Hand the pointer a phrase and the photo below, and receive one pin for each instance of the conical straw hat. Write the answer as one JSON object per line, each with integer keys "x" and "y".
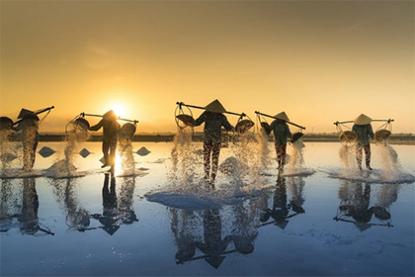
{"x": 110, "y": 115}
{"x": 362, "y": 120}
{"x": 24, "y": 112}
{"x": 282, "y": 116}
{"x": 215, "y": 107}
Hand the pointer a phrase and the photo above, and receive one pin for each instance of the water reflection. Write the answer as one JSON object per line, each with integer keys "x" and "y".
{"x": 355, "y": 204}
{"x": 194, "y": 230}
{"x": 20, "y": 210}
{"x": 116, "y": 211}
{"x": 245, "y": 226}
{"x": 77, "y": 217}
{"x": 212, "y": 234}
{"x": 213, "y": 244}
{"x": 204, "y": 232}
{"x": 282, "y": 209}
{"x": 110, "y": 214}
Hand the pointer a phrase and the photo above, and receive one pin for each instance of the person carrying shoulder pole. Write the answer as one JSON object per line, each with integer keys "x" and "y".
{"x": 214, "y": 120}
{"x": 364, "y": 132}
{"x": 28, "y": 127}
{"x": 281, "y": 133}
{"x": 110, "y": 136}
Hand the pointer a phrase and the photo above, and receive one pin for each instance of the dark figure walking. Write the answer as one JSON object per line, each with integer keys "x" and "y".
{"x": 29, "y": 134}
{"x": 214, "y": 121}
{"x": 364, "y": 132}
{"x": 109, "y": 145}
{"x": 281, "y": 133}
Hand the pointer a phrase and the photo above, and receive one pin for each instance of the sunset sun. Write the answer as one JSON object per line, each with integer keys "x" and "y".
{"x": 119, "y": 109}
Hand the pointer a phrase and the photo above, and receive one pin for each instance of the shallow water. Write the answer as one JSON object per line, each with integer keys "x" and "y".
{"x": 279, "y": 226}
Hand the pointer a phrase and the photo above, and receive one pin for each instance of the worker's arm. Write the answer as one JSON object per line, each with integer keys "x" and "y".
{"x": 271, "y": 127}
{"x": 200, "y": 119}
{"x": 371, "y": 135}
{"x": 97, "y": 126}
{"x": 226, "y": 124}
{"x": 354, "y": 128}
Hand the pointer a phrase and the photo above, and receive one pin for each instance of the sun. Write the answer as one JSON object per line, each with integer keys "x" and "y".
{"x": 119, "y": 109}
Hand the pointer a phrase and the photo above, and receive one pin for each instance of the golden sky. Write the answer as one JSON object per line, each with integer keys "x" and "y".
{"x": 319, "y": 61}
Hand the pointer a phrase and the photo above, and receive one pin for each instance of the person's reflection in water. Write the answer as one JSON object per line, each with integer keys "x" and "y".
{"x": 7, "y": 205}
{"x": 296, "y": 187}
{"x": 213, "y": 245}
{"x": 245, "y": 227}
{"x": 182, "y": 224}
{"x": 280, "y": 208}
{"x": 355, "y": 198}
{"x": 77, "y": 217}
{"x": 110, "y": 215}
{"x": 387, "y": 195}
{"x": 354, "y": 206}
{"x": 29, "y": 221}
{"x": 126, "y": 201}
{"x": 360, "y": 210}
{"x": 280, "y": 211}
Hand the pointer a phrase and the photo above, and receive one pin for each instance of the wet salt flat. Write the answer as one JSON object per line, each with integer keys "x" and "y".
{"x": 156, "y": 223}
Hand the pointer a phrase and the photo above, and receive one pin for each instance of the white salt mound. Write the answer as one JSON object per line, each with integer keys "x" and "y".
{"x": 84, "y": 153}
{"x": 46, "y": 152}
{"x": 143, "y": 151}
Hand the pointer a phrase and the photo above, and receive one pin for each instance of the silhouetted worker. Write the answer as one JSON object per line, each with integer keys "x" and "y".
{"x": 281, "y": 133}
{"x": 214, "y": 121}
{"x": 364, "y": 133}
{"x": 109, "y": 145}
{"x": 29, "y": 135}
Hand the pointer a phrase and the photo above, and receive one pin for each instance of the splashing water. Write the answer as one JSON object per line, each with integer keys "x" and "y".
{"x": 240, "y": 178}
{"x": 263, "y": 149}
{"x": 390, "y": 166}
{"x": 250, "y": 157}
{"x": 387, "y": 195}
{"x": 390, "y": 171}
{"x": 347, "y": 154}
{"x": 296, "y": 160}
{"x": 185, "y": 158}
{"x": 7, "y": 152}
{"x": 75, "y": 136}
{"x": 10, "y": 200}
{"x": 126, "y": 154}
